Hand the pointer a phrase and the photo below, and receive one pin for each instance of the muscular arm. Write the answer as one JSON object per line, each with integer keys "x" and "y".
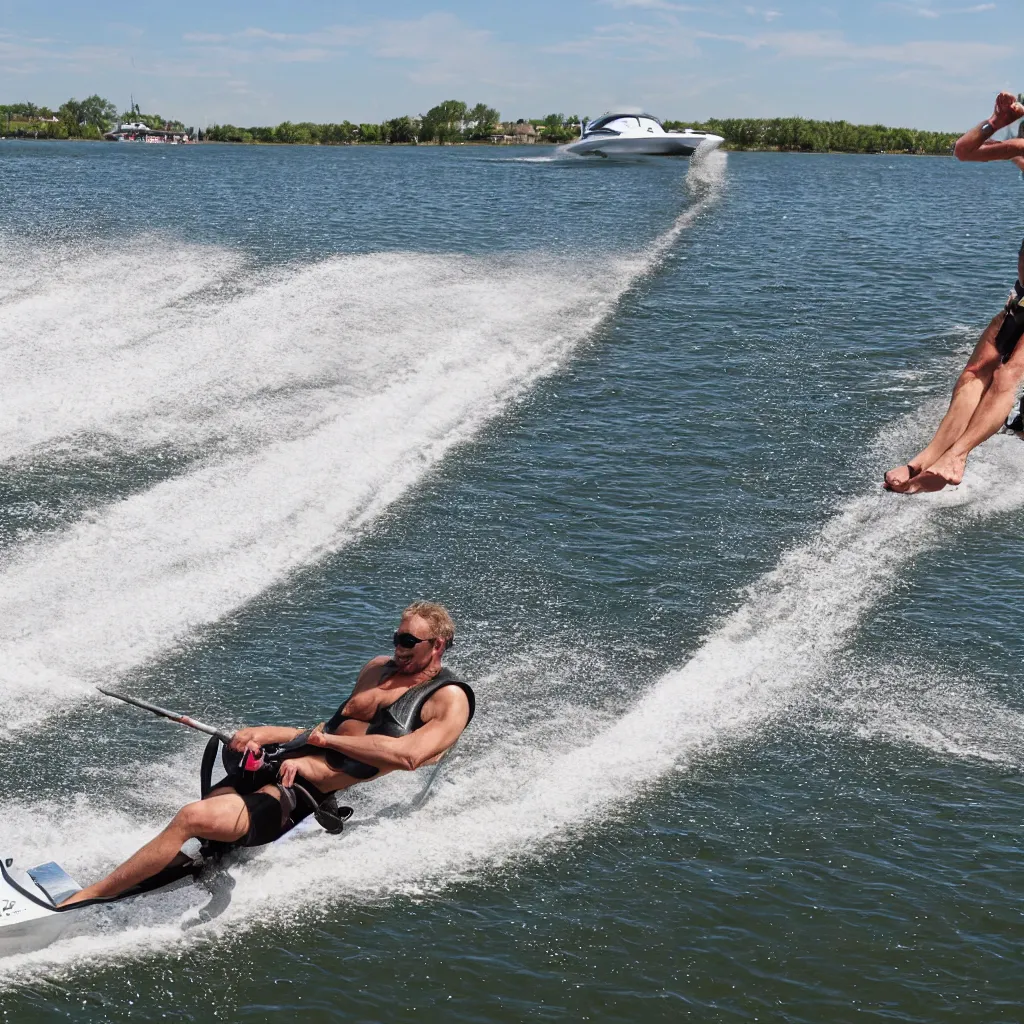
{"x": 261, "y": 735}
{"x": 977, "y": 144}
{"x": 1011, "y": 149}
{"x": 444, "y": 717}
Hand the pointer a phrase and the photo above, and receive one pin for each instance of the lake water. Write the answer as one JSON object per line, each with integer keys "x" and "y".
{"x": 749, "y": 730}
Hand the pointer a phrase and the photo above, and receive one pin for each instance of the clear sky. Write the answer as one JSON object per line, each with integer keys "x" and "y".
{"x": 921, "y": 63}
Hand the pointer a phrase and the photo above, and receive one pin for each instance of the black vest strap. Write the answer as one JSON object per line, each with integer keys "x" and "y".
{"x": 404, "y": 715}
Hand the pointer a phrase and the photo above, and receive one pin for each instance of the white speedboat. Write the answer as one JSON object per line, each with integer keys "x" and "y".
{"x": 638, "y": 135}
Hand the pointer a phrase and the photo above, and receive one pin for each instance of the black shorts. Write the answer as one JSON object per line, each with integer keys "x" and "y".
{"x": 269, "y": 817}
{"x": 1012, "y": 327}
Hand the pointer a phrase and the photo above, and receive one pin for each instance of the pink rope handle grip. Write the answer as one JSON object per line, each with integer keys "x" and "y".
{"x": 252, "y": 763}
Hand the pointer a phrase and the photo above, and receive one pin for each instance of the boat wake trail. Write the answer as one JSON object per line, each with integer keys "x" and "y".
{"x": 922, "y": 707}
{"x": 511, "y": 796}
{"x": 311, "y": 397}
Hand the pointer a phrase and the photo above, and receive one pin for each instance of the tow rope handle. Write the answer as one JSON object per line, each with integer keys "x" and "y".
{"x": 252, "y": 763}
{"x": 278, "y": 752}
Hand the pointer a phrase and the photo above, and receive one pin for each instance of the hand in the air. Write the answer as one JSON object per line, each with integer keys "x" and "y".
{"x": 316, "y": 737}
{"x": 1007, "y": 110}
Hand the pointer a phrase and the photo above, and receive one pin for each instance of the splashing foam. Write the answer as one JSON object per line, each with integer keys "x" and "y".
{"x": 142, "y": 345}
{"x": 383, "y": 363}
{"x": 910, "y": 701}
{"x": 89, "y": 337}
{"x": 511, "y": 797}
{"x": 924, "y": 708}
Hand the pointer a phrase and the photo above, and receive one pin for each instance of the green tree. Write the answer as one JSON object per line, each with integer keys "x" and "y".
{"x": 338, "y": 134}
{"x": 553, "y": 128}
{"x": 87, "y": 118}
{"x": 227, "y": 133}
{"x": 483, "y": 121}
{"x": 98, "y": 112}
{"x": 401, "y": 129}
{"x": 70, "y": 114}
{"x": 444, "y": 122}
{"x": 794, "y": 133}
{"x": 303, "y": 133}
{"x": 285, "y": 132}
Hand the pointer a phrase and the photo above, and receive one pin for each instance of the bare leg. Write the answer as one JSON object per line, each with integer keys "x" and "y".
{"x": 988, "y": 418}
{"x": 222, "y": 817}
{"x": 968, "y": 391}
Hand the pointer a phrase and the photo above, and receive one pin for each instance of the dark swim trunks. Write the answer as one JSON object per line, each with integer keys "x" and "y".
{"x": 269, "y": 818}
{"x": 1012, "y": 327}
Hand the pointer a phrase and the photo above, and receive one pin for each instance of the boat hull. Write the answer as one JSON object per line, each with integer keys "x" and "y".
{"x": 670, "y": 144}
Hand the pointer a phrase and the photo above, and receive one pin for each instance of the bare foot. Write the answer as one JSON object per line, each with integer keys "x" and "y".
{"x": 898, "y": 478}
{"x": 78, "y": 897}
{"x": 948, "y": 470}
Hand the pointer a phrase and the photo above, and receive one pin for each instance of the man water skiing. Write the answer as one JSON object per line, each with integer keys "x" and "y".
{"x": 405, "y": 711}
{"x": 986, "y": 389}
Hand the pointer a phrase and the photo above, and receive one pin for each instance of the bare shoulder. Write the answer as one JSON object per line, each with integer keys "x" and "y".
{"x": 369, "y": 674}
{"x": 449, "y": 703}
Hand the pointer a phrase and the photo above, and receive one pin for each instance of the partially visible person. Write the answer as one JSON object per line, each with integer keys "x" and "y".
{"x": 986, "y": 390}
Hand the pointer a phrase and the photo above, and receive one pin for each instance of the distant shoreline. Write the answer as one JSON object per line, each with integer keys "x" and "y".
{"x": 725, "y": 147}
{"x": 454, "y": 122}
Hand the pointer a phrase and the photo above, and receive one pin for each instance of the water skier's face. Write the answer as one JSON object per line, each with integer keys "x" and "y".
{"x": 414, "y": 644}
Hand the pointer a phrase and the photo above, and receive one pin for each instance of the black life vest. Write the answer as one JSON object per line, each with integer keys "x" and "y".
{"x": 399, "y": 718}
{"x": 403, "y": 716}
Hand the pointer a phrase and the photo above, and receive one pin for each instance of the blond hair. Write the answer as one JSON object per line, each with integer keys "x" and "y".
{"x": 441, "y": 623}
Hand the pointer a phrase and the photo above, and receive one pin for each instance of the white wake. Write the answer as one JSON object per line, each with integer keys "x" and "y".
{"x": 510, "y": 798}
{"x": 325, "y": 392}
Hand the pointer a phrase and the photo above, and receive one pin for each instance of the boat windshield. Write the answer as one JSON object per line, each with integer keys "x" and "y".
{"x": 624, "y": 122}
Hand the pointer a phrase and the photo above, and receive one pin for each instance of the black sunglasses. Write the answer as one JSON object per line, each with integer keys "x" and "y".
{"x": 407, "y": 640}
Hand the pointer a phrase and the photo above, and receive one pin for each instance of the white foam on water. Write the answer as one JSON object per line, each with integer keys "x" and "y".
{"x": 550, "y": 159}
{"x": 908, "y": 703}
{"x": 516, "y": 796}
{"x": 153, "y": 342}
{"x": 946, "y": 717}
{"x": 415, "y": 354}
{"x": 65, "y": 306}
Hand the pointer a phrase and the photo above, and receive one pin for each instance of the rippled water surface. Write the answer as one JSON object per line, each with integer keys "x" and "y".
{"x": 749, "y": 729}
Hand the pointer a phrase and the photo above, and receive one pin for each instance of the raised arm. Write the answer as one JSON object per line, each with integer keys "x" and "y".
{"x": 977, "y": 144}
{"x": 444, "y": 716}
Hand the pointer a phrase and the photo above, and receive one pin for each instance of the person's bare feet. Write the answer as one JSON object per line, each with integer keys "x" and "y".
{"x": 898, "y": 478}
{"x": 949, "y": 470}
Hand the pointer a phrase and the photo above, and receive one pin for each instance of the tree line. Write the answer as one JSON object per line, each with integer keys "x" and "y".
{"x": 74, "y": 119}
{"x": 798, "y": 134}
{"x": 455, "y": 121}
{"x": 449, "y": 122}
